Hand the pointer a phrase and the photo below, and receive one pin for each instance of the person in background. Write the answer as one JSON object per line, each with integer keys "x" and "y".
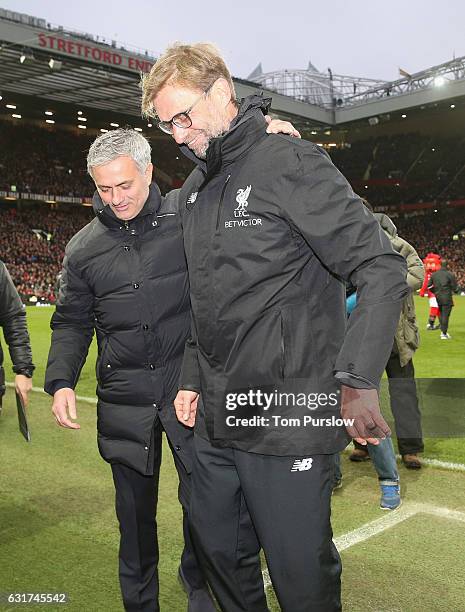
{"x": 399, "y": 368}
{"x": 443, "y": 284}
{"x": 14, "y": 325}
{"x": 382, "y": 455}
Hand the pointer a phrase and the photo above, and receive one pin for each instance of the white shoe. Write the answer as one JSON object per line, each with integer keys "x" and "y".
{"x": 445, "y": 336}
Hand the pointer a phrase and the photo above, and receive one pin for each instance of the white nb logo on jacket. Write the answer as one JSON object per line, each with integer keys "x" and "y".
{"x": 302, "y": 465}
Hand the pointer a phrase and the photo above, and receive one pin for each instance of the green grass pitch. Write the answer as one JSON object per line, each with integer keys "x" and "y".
{"x": 58, "y": 531}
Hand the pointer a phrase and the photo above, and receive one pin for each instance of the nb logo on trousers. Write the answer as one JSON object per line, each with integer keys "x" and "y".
{"x": 301, "y": 465}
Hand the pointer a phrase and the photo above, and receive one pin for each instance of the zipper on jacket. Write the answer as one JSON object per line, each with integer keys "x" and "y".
{"x": 126, "y": 225}
{"x": 282, "y": 355}
{"x": 221, "y": 201}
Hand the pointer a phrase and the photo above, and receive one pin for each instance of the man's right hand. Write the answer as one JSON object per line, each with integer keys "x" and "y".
{"x": 64, "y": 408}
{"x": 185, "y": 406}
{"x": 362, "y": 406}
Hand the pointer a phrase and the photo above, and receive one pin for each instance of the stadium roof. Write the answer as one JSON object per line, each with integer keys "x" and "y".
{"x": 36, "y": 60}
{"x": 45, "y": 62}
{"x": 313, "y": 86}
{"x": 48, "y": 62}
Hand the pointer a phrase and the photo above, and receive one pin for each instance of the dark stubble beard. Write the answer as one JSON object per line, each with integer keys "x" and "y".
{"x": 214, "y": 133}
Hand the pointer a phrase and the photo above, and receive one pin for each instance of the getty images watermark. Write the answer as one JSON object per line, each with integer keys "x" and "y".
{"x": 256, "y": 398}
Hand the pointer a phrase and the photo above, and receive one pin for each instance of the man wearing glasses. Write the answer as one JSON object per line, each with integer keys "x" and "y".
{"x": 271, "y": 232}
{"x": 124, "y": 276}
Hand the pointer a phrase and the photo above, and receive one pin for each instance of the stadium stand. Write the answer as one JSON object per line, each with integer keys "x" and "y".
{"x": 53, "y": 161}
{"x": 32, "y": 244}
{"x": 401, "y": 169}
{"x": 405, "y": 168}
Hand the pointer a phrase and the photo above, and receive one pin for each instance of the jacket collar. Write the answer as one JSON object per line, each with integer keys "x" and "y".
{"x": 108, "y": 217}
{"x": 244, "y": 132}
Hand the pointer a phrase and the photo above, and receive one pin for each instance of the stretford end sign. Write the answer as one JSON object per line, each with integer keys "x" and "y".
{"x": 88, "y": 51}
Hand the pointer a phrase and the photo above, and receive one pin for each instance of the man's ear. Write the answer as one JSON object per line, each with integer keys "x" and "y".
{"x": 222, "y": 91}
{"x": 148, "y": 173}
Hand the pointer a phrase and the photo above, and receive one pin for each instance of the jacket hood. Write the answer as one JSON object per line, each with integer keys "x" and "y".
{"x": 245, "y": 130}
{"x": 108, "y": 217}
{"x": 387, "y": 224}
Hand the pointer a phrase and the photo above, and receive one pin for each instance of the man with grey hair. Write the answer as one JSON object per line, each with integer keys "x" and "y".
{"x": 124, "y": 276}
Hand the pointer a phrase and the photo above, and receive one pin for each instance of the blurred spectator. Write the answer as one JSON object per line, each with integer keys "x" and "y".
{"x": 32, "y": 259}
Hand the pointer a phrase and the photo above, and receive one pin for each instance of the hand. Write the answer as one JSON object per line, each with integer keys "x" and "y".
{"x": 362, "y": 405}
{"x": 23, "y": 385}
{"x": 64, "y": 408}
{"x": 185, "y": 406}
{"x": 276, "y": 126}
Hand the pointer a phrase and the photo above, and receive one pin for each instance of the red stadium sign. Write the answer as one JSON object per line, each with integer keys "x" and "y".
{"x": 92, "y": 52}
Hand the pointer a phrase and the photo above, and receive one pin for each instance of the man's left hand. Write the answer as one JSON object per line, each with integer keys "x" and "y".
{"x": 362, "y": 405}
{"x": 277, "y": 126}
{"x": 23, "y": 385}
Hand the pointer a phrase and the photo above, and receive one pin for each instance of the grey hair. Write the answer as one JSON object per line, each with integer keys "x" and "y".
{"x": 117, "y": 143}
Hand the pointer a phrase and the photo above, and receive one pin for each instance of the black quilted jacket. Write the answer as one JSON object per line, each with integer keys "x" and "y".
{"x": 128, "y": 282}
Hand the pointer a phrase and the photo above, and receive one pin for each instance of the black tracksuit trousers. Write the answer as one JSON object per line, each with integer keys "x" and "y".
{"x": 242, "y": 502}
{"x": 445, "y": 308}
{"x": 136, "y": 506}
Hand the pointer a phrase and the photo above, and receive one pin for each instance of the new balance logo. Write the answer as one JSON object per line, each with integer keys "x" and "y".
{"x": 301, "y": 465}
{"x": 192, "y": 198}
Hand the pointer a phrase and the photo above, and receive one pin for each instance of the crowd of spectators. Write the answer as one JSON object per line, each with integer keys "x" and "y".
{"x": 45, "y": 161}
{"x": 440, "y": 233}
{"x": 52, "y": 161}
{"x": 405, "y": 168}
{"x": 402, "y": 168}
{"x": 32, "y": 244}
{"x": 386, "y": 170}
{"x": 33, "y": 239}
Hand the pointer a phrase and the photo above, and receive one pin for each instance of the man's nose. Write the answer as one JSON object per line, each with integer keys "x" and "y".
{"x": 118, "y": 196}
{"x": 179, "y": 134}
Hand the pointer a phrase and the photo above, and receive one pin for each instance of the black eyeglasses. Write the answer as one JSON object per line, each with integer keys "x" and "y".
{"x": 182, "y": 120}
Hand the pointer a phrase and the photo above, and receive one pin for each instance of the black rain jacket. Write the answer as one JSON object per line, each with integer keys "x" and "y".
{"x": 128, "y": 281}
{"x": 13, "y": 323}
{"x": 443, "y": 284}
{"x": 272, "y": 232}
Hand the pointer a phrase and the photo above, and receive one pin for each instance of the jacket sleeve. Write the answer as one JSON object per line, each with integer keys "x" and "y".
{"x": 349, "y": 241}
{"x": 190, "y": 377}
{"x": 13, "y": 322}
{"x": 72, "y": 329}
{"x": 415, "y": 267}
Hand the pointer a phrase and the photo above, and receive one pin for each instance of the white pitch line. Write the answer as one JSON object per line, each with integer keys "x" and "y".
{"x": 405, "y": 512}
{"x": 80, "y": 398}
{"x": 373, "y": 528}
{"x": 445, "y": 465}
{"x": 447, "y": 513}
